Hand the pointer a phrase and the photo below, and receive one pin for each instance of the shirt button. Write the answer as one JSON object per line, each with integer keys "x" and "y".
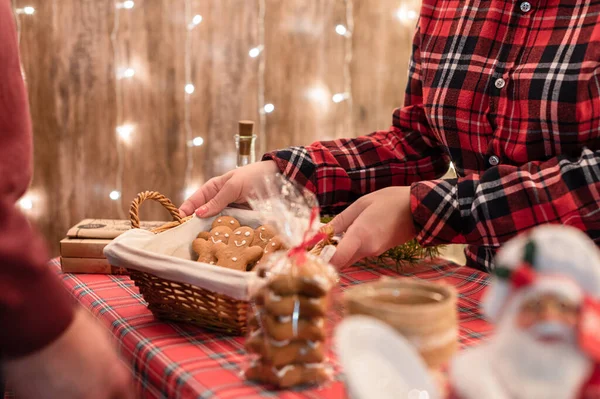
{"x": 500, "y": 83}
{"x": 494, "y": 160}
{"x": 525, "y": 6}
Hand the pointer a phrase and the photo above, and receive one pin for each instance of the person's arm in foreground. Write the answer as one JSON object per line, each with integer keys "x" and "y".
{"x": 48, "y": 348}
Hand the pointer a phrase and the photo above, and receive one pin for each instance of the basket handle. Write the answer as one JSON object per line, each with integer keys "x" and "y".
{"x": 156, "y": 196}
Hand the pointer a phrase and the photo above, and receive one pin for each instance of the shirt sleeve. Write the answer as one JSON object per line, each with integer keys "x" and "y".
{"x": 491, "y": 208}
{"x": 340, "y": 171}
{"x": 34, "y": 308}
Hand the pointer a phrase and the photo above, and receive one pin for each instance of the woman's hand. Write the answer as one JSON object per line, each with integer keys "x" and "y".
{"x": 373, "y": 224}
{"x": 230, "y": 188}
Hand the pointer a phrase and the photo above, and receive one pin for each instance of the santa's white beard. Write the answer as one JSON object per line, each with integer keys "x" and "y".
{"x": 530, "y": 369}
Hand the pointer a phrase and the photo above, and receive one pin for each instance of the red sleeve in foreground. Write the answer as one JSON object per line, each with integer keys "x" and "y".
{"x": 34, "y": 308}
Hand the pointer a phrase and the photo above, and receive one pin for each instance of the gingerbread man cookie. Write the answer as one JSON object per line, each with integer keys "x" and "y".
{"x": 238, "y": 253}
{"x": 262, "y": 235}
{"x": 205, "y": 235}
{"x": 228, "y": 221}
{"x": 205, "y": 248}
{"x": 275, "y": 244}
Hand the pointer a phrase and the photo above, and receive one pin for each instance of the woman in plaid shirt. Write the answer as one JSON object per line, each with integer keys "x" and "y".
{"x": 507, "y": 91}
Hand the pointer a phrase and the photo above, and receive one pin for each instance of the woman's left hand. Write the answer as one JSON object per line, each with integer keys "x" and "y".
{"x": 373, "y": 224}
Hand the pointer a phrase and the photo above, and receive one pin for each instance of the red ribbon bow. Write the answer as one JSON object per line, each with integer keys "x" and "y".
{"x": 299, "y": 252}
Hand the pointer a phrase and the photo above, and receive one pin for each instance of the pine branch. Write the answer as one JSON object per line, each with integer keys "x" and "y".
{"x": 408, "y": 254}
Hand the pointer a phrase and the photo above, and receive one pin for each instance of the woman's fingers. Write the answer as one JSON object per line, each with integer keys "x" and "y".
{"x": 344, "y": 220}
{"x": 360, "y": 239}
{"x": 228, "y": 194}
{"x": 349, "y": 247}
{"x": 200, "y": 197}
{"x": 203, "y": 195}
{"x": 346, "y": 251}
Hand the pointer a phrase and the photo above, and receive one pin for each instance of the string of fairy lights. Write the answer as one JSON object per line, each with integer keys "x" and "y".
{"x": 347, "y": 31}
{"x": 126, "y": 130}
{"x": 191, "y": 141}
{"x": 263, "y": 109}
{"x": 26, "y": 203}
{"x": 123, "y": 130}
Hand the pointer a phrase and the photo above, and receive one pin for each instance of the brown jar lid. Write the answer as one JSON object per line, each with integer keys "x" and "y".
{"x": 246, "y": 128}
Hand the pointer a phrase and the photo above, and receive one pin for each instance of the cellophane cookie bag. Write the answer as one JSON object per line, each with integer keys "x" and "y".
{"x": 286, "y": 339}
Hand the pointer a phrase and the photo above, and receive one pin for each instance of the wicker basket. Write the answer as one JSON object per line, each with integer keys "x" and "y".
{"x": 181, "y": 302}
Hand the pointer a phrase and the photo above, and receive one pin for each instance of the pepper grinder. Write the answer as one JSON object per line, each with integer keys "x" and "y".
{"x": 244, "y": 144}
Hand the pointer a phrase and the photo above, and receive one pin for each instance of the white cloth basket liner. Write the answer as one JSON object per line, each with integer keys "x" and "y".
{"x": 169, "y": 255}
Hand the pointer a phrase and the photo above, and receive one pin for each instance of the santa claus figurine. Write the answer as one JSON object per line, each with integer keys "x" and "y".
{"x": 545, "y": 300}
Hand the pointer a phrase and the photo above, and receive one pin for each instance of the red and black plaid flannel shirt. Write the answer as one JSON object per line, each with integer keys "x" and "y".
{"x": 506, "y": 90}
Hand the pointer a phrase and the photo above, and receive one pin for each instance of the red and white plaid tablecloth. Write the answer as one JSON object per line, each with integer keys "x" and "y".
{"x": 181, "y": 361}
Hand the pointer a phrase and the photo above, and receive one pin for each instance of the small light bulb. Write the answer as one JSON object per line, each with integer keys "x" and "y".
{"x": 28, "y": 10}
{"x": 406, "y": 15}
{"x": 197, "y": 19}
{"x": 269, "y": 108}
{"x": 26, "y": 203}
{"x": 341, "y": 30}
{"x": 197, "y": 141}
{"x": 339, "y": 97}
{"x": 128, "y": 73}
{"x": 128, "y": 4}
{"x": 124, "y": 131}
{"x": 115, "y": 195}
{"x": 319, "y": 94}
{"x": 254, "y": 52}
{"x": 189, "y": 88}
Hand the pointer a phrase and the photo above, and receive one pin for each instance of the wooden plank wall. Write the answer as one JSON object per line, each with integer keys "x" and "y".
{"x": 70, "y": 64}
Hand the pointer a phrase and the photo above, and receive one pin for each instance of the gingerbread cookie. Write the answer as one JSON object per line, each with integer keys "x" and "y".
{"x": 290, "y": 375}
{"x": 278, "y": 305}
{"x": 205, "y": 247}
{"x": 238, "y": 253}
{"x": 275, "y": 244}
{"x": 262, "y": 235}
{"x": 205, "y": 235}
{"x": 228, "y": 221}
{"x": 309, "y": 280}
{"x": 280, "y": 353}
{"x": 283, "y": 328}
{"x": 220, "y": 234}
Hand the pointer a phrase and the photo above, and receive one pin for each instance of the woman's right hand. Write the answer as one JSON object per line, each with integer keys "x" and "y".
{"x": 233, "y": 187}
